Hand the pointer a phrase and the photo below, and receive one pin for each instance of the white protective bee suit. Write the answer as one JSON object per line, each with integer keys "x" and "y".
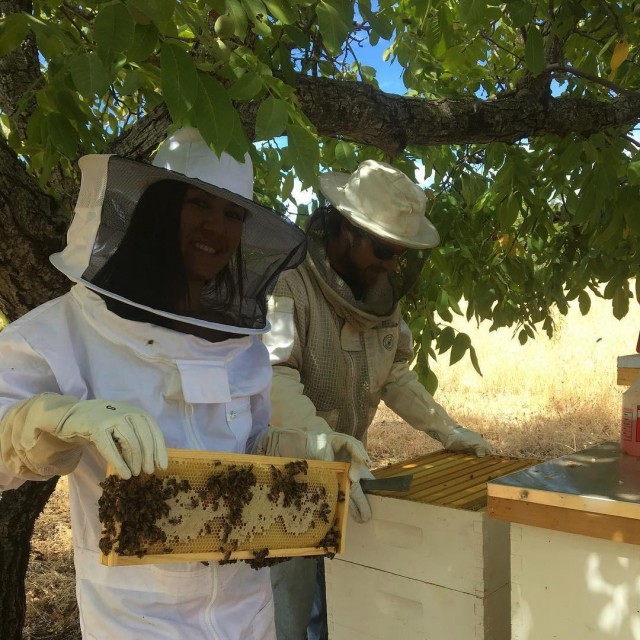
{"x": 202, "y": 395}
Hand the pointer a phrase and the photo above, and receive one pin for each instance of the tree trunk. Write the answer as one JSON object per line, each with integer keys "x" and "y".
{"x": 20, "y": 509}
{"x": 27, "y": 279}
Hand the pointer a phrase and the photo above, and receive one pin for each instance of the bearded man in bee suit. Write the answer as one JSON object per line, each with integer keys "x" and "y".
{"x": 338, "y": 346}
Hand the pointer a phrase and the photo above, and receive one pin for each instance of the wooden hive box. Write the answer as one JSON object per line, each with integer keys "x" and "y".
{"x": 430, "y": 563}
{"x": 212, "y": 506}
{"x": 628, "y": 369}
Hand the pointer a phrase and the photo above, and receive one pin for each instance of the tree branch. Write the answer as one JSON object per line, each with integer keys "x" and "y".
{"x": 589, "y": 76}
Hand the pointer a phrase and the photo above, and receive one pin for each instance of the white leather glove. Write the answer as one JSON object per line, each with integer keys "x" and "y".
{"x": 312, "y": 445}
{"x": 359, "y": 507}
{"x": 324, "y": 445}
{"x": 461, "y": 439}
{"x": 43, "y": 436}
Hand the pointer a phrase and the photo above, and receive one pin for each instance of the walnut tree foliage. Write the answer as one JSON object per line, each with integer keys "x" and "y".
{"x": 520, "y": 113}
{"x": 522, "y": 116}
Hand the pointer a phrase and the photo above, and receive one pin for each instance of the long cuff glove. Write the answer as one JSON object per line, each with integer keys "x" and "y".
{"x": 312, "y": 445}
{"x": 323, "y": 445}
{"x": 359, "y": 507}
{"x": 461, "y": 439}
{"x": 43, "y": 436}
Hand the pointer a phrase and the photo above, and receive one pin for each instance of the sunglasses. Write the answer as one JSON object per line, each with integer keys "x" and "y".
{"x": 381, "y": 250}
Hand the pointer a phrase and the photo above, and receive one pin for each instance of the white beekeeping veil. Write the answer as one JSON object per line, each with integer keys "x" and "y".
{"x": 124, "y": 240}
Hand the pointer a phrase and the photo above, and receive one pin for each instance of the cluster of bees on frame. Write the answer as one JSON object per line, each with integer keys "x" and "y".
{"x": 136, "y": 513}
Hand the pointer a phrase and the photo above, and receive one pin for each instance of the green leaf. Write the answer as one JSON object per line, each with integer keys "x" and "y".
{"x": 445, "y": 339}
{"x": 287, "y": 186}
{"x": 234, "y": 7}
{"x": 508, "y": 212}
{"x": 380, "y": 21}
{"x": 248, "y": 86}
{"x": 257, "y": 12}
{"x": 472, "y": 12}
{"x": 13, "y": 30}
{"x": 113, "y": 30}
{"x": 570, "y": 157}
{"x": 521, "y": 12}
{"x": 633, "y": 172}
{"x": 271, "y": 118}
{"x": 346, "y": 156}
{"x": 584, "y": 302}
{"x": 145, "y": 40}
{"x": 282, "y": 11}
{"x": 214, "y": 113}
{"x": 474, "y": 360}
{"x": 588, "y": 203}
{"x": 69, "y": 103}
{"x": 159, "y": 12}
{"x": 460, "y": 345}
{"x": 534, "y": 51}
{"x": 333, "y": 26}
{"x": 133, "y": 81}
{"x": 627, "y": 201}
{"x": 620, "y": 301}
{"x": 179, "y": 80}
{"x": 304, "y": 154}
{"x": 62, "y": 135}
{"x": 89, "y": 75}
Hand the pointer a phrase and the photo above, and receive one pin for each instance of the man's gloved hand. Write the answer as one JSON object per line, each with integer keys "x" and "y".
{"x": 46, "y": 433}
{"x": 312, "y": 445}
{"x": 461, "y": 439}
{"x": 359, "y": 507}
{"x": 323, "y": 445}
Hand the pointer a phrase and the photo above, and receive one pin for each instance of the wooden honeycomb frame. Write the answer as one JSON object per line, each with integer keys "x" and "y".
{"x": 184, "y": 544}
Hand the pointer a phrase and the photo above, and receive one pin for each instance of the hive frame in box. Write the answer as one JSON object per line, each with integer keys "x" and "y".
{"x": 336, "y": 471}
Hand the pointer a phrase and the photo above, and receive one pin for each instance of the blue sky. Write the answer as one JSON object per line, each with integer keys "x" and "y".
{"x": 389, "y": 73}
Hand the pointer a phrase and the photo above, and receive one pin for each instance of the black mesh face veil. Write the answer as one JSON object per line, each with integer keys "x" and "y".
{"x": 137, "y": 258}
{"x": 380, "y": 299}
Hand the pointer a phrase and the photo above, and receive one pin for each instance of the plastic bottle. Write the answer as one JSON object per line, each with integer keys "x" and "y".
{"x": 630, "y": 431}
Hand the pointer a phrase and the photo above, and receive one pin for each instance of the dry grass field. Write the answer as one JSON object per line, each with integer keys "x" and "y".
{"x": 542, "y": 400}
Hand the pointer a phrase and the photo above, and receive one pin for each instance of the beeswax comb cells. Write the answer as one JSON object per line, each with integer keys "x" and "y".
{"x": 210, "y": 506}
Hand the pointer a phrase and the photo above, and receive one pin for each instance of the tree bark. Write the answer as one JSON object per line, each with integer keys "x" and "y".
{"x": 32, "y": 228}
{"x": 19, "y": 510}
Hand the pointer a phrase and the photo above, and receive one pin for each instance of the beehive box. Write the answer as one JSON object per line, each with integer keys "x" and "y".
{"x": 430, "y": 563}
{"x": 211, "y": 506}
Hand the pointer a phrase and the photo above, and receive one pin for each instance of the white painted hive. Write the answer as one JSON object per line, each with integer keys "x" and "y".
{"x": 430, "y": 563}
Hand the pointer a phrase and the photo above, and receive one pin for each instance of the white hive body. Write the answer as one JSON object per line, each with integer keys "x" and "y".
{"x": 430, "y": 563}
{"x": 218, "y": 507}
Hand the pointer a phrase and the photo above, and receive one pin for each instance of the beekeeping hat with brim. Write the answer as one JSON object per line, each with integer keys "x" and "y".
{"x": 110, "y": 191}
{"x": 383, "y": 201}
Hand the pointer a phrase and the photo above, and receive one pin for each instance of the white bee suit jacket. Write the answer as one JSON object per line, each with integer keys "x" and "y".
{"x": 207, "y": 396}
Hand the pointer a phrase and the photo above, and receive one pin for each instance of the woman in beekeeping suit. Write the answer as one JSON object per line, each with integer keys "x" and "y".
{"x": 156, "y": 345}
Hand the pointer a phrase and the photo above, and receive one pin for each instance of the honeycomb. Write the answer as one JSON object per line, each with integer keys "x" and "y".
{"x": 224, "y": 507}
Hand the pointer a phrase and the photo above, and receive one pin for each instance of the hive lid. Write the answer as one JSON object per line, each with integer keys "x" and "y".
{"x": 449, "y": 479}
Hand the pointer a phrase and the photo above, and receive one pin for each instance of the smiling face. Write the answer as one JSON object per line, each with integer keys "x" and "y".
{"x": 210, "y": 232}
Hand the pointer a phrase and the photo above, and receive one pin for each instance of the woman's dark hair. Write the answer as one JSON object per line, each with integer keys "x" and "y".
{"x": 148, "y": 266}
